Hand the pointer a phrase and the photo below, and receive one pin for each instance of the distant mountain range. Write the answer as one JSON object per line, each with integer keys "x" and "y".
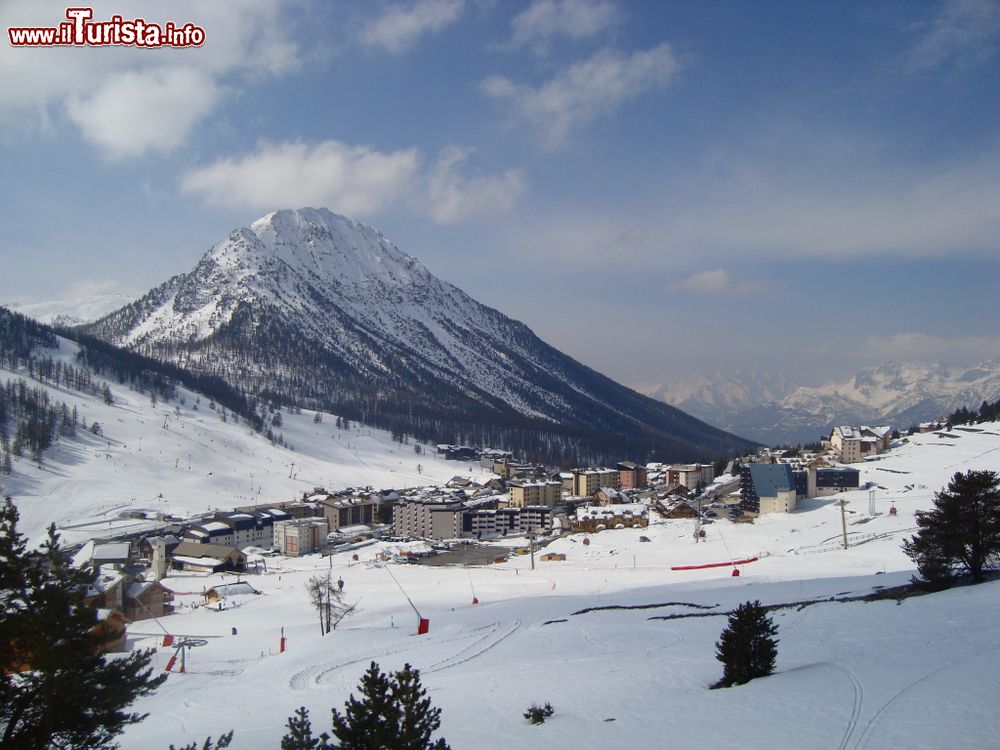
{"x": 763, "y": 407}
{"x": 311, "y": 308}
{"x": 74, "y": 312}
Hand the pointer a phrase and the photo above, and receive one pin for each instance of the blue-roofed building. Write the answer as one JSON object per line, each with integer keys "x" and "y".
{"x": 767, "y": 488}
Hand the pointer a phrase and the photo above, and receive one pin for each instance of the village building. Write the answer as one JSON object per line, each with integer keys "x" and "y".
{"x": 534, "y": 493}
{"x": 594, "y": 518}
{"x": 341, "y": 512}
{"x": 588, "y": 481}
{"x": 767, "y": 488}
{"x": 496, "y": 522}
{"x": 428, "y": 517}
{"x": 692, "y": 476}
{"x": 676, "y": 508}
{"x": 112, "y": 553}
{"x": 212, "y": 532}
{"x": 146, "y": 599}
{"x": 300, "y": 536}
{"x": 631, "y": 475}
{"x": 852, "y": 445}
{"x": 206, "y": 558}
{"x": 238, "y": 590}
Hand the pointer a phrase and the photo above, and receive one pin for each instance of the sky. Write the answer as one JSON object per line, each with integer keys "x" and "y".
{"x": 658, "y": 189}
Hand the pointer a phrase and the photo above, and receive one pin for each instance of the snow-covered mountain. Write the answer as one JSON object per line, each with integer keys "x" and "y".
{"x": 316, "y": 308}
{"x": 899, "y": 394}
{"x": 72, "y": 312}
{"x": 713, "y": 397}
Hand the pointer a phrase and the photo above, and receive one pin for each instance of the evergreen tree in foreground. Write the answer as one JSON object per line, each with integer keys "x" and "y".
{"x": 56, "y": 689}
{"x": 392, "y": 713}
{"x": 747, "y": 647}
{"x": 963, "y": 530}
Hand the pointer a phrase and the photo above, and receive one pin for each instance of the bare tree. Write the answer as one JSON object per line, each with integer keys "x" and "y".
{"x": 329, "y": 602}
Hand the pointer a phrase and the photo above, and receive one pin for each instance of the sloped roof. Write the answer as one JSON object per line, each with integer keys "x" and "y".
{"x": 770, "y": 479}
{"x": 112, "y": 551}
{"x": 196, "y": 550}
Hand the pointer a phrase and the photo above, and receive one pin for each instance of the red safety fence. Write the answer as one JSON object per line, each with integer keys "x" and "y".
{"x": 715, "y": 565}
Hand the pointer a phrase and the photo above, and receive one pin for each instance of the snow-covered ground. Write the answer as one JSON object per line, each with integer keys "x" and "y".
{"x": 923, "y": 673}
{"x": 184, "y": 459}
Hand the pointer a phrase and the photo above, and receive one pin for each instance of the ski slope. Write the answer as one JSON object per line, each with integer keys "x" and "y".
{"x": 922, "y": 673}
{"x": 183, "y": 458}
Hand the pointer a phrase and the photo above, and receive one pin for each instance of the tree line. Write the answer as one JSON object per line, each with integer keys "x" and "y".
{"x": 987, "y": 412}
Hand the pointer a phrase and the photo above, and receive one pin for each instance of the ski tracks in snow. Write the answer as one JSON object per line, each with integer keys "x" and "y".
{"x": 866, "y": 734}
{"x": 859, "y": 699}
{"x": 473, "y": 650}
{"x": 317, "y": 675}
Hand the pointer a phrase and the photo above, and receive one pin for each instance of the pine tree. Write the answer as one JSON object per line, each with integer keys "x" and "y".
{"x": 962, "y": 532}
{"x": 393, "y": 713}
{"x": 747, "y": 647}
{"x": 56, "y": 688}
{"x": 300, "y": 736}
{"x": 418, "y": 719}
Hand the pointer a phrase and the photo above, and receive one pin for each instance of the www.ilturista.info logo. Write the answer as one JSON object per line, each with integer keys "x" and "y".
{"x": 79, "y": 30}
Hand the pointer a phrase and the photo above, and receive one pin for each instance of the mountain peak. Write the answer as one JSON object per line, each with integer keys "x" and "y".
{"x": 318, "y": 244}
{"x": 321, "y": 310}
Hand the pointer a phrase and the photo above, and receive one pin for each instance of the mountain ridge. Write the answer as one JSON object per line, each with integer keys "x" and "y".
{"x": 314, "y": 308}
{"x": 897, "y": 393}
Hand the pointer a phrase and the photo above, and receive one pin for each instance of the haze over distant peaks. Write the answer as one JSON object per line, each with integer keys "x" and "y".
{"x": 763, "y": 408}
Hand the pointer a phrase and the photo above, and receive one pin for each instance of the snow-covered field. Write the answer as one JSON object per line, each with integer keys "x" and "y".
{"x": 183, "y": 459}
{"x": 923, "y": 673}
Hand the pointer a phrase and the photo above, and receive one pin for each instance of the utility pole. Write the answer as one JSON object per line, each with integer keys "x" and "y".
{"x": 531, "y": 546}
{"x": 843, "y": 520}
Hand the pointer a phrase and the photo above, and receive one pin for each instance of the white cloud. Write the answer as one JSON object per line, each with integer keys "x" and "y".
{"x": 584, "y": 91}
{"x": 718, "y": 281}
{"x": 132, "y": 113}
{"x": 245, "y": 39}
{"x": 354, "y": 180}
{"x": 576, "y": 19}
{"x": 963, "y": 31}
{"x": 399, "y": 27}
{"x": 452, "y": 197}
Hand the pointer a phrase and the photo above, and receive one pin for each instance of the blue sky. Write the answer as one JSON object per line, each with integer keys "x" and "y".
{"x": 656, "y": 188}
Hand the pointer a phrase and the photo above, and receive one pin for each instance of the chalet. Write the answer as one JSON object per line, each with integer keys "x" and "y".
{"x": 609, "y": 496}
{"x": 145, "y": 599}
{"x": 207, "y": 558}
{"x": 677, "y": 509}
{"x": 110, "y": 630}
{"x": 240, "y": 589}
{"x": 107, "y": 590}
{"x": 170, "y": 542}
{"x": 595, "y": 518}
{"x": 115, "y": 553}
